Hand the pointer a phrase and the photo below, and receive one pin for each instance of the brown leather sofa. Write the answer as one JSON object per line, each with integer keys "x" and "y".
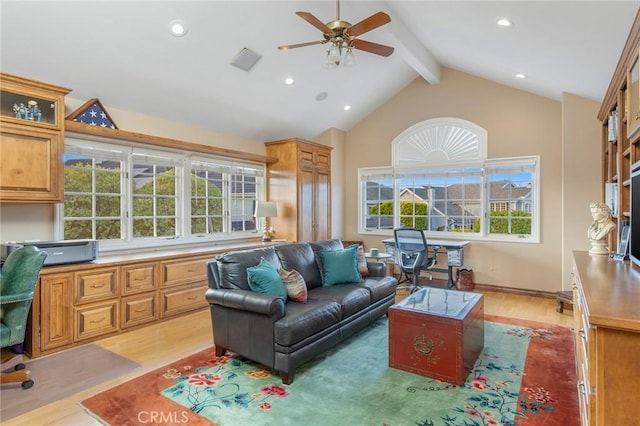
{"x": 282, "y": 336}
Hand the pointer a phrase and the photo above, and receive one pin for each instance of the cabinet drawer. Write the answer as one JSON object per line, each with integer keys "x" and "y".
{"x": 139, "y": 278}
{"x": 139, "y": 309}
{"x": 179, "y": 301}
{"x": 96, "y": 320}
{"x": 184, "y": 272}
{"x": 94, "y": 285}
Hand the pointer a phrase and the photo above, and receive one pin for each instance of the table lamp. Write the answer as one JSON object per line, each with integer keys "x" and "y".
{"x": 266, "y": 209}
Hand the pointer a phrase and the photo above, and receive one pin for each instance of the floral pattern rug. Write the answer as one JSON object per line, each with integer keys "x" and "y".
{"x": 524, "y": 376}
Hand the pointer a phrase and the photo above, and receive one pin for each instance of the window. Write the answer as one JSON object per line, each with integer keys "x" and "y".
{"x": 448, "y": 202}
{"x": 441, "y": 181}
{"x": 124, "y": 196}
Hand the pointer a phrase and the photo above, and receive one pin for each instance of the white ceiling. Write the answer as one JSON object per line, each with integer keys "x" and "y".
{"x": 122, "y": 53}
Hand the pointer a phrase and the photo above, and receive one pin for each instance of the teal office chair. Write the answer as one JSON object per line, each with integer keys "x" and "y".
{"x": 18, "y": 278}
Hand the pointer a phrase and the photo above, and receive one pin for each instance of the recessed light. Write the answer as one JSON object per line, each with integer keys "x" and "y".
{"x": 504, "y": 22}
{"x": 288, "y": 81}
{"x": 178, "y": 28}
{"x": 347, "y": 107}
{"x": 520, "y": 75}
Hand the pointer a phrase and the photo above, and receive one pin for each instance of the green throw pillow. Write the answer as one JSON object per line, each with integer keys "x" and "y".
{"x": 264, "y": 278}
{"x": 340, "y": 266}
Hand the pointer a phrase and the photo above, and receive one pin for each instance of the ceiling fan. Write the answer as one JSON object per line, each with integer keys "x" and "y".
{"x": 342, "y": 35}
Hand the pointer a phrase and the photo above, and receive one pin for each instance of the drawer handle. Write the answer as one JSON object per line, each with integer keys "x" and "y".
{"x": 97, "y": 285}
{"x": 192, "y": 270}
{"x": 140, "y": 278}
{"x": 97, "y": 321}
{"x": 139, "y": 310}
{"x": 192, "y": 297}
{"x": 582, "y": 388}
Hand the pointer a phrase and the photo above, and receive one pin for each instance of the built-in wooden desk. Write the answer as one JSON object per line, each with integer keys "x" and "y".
{"x": 607, "y": 323}
{"x": 78, "y": 303}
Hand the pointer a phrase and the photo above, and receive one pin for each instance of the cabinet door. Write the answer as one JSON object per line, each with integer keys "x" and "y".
{"x": 322, "y": 208}
{"x": 31, "y": 164}
{"x": 306, "y": 205}
{"x": 56, "y": 309}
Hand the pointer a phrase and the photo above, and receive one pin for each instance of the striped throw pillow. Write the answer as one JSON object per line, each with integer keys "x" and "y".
{"x": 295, "y": 285}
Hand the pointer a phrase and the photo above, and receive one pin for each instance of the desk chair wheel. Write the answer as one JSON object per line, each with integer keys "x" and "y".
{"x": 20, "y": 366}
{"x": 27, "y": 384}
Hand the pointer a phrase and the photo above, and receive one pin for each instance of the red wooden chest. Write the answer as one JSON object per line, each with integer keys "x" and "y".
{"x": 437, "y": 333}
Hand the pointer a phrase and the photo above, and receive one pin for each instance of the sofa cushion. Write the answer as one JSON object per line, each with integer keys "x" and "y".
{"x": 352, "y": 298}
{"x": 264, "y": 278}
{"x": 334, "y": 244}
{"x": 305, "y": 319}
{"x": 379, "y": 287}
{"x": 300, "y": 256}
{"x": 295, "y": 285}
{"x": 340, "y": 266}
{"x": 233, "y": 265}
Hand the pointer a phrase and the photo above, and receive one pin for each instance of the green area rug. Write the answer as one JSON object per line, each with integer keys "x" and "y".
{"x": 525, "y": 375}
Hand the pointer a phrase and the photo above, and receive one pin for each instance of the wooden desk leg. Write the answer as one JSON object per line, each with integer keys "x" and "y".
{"x": 563, "y": 297}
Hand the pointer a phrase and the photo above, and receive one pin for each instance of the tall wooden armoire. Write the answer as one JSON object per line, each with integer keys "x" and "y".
{"x": 300, "y": 183}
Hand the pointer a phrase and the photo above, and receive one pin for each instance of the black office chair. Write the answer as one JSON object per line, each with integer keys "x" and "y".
{"x": 412, "y": 256}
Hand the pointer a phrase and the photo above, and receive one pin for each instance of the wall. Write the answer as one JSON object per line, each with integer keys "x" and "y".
{"x": 581, "y": 175}
{"x": 518, "y": 124}
{"x": 336, "y": 138}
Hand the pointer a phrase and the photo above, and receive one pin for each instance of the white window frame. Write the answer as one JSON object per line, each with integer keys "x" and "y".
{"x": 397, "y": 174}
{"x": 183, "y": 163}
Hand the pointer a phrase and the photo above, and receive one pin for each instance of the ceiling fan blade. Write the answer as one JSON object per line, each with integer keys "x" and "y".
{"x": 293, "y": 46}
{"x": 315, "y": 22}
{"x": 372, "y": 22}
{"x": 367, "y": 46}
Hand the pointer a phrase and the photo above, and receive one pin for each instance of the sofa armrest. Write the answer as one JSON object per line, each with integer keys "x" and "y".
{"x": 377, "y": 269}
{"x": 246, "y": 300}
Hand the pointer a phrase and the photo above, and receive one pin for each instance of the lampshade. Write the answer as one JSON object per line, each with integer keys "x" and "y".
{"x": 266, "y": 209}
{"x": 349, "y": 58}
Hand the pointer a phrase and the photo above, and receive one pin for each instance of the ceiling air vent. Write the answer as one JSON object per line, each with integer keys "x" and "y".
{"x": 246, "y": 59}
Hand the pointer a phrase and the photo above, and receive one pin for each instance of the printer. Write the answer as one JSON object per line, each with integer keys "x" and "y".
{"x": 58, "y": 252}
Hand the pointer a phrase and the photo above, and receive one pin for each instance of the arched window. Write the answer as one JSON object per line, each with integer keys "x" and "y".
{"x": 441, "y": 180}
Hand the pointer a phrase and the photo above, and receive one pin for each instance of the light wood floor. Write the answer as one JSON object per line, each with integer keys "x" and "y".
{"x": 160, "y": 344}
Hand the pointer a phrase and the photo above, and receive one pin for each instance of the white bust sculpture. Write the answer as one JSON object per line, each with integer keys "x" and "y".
{"x": 600, "y": 228}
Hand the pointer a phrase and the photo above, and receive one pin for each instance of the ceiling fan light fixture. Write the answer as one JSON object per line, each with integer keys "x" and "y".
{"x": 349, "y": 58}
{"x": 334, "y": 54}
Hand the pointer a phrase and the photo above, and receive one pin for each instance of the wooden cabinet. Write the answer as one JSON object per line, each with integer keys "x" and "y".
{"x": 31, "y": 140}
{"x": 607, "y": 339}
{"x": 55, "y": 304}
{"x": 76, "y": 304}
{"x": 300, "y": 183}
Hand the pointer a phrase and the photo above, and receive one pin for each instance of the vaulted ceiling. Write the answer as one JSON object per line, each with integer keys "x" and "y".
{"x": 122, "y": 53}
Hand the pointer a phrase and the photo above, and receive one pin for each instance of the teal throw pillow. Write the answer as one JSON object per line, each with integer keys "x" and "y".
{"x": 264, "y": 278}
{"x": 340, "y": 266}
